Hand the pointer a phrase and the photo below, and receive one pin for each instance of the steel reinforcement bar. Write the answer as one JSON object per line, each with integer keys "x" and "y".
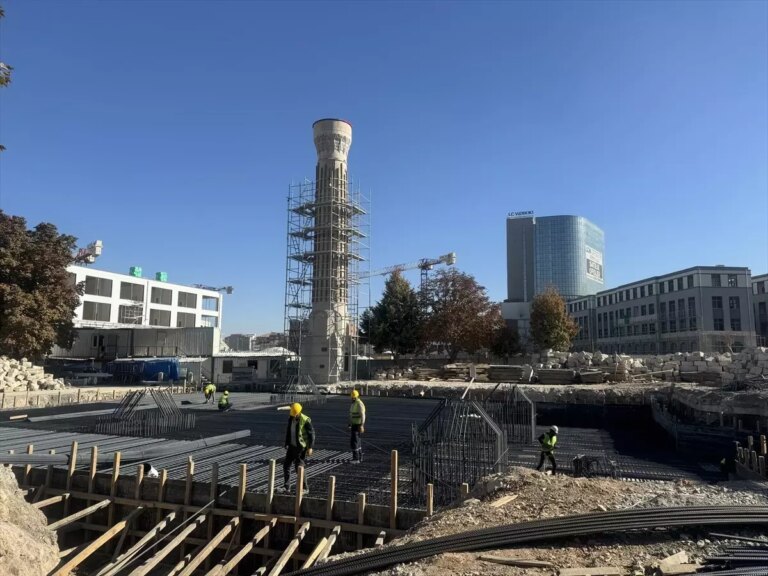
{"x": 541, "y": 530}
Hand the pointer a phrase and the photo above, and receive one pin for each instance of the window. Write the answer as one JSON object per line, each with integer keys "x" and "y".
{"x": 210, "y": 303}
{"x": 717, "y": 302}
{"x": 681, "y": 307}
{"x": 663, "y": 327}
{"x": 187, "y": 300}
{"x": 672, "y": 325}
{"x": 661, "y": 287}
{"x": 131, "y": 291}
{"x": 761, "y": 287}
{"x": 634, "y": 292}
{"x": 732, "y": 281}
{"x": 716, "y": 280}
{"x": 691, "y": 306}
{"x": 683, "y": 323}
{"x": 761, "y": 309}
{"x": 636, "y": 330}
{"x": 226, "y": 367}
{"x": 645, "y": 328}
{"x": 130, "y": 314}
{"x": 671, "y": 307}
{"x": 97, "y": 311}
{"x": 736, "y": 324}
{"x": 662, "y": 309}
{"x": 651, "y": 308}
{"x": 652, "y": 328}
{"x": 253, "y": 364}
{"x": 98, "y": 286}
{"x": 718, "y": 324}
{"x": 650, "y": 289}
{"x": 159, "y": 317}
{"x": 689, "y": 280}
{"x": 693, "y": 323}
{"x": 670, "y": 285}
{"x": 626, "y": 294}
{"x": 642, "y": 291}
{"x": 621, "y": 296}
{"x": 209, "y": 321}
{"x": 733, "y": 303}
{"x": 679, "y": 283}
{"x": 162, "y": 296}
{"x": 636, "y": 311}
{"x": 185, "y": 320}
{"x": 643, "y": 310}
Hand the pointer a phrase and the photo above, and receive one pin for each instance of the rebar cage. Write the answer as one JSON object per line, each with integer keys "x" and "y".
{"x": 132, "y": 417}
{"x": 511, "y": 409}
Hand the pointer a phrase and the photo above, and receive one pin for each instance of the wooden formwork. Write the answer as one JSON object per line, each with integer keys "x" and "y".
{"x": 136, "y": 523}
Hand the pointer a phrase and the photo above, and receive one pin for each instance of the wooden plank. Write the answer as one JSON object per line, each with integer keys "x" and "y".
{"x": 299, "y": 494}
{"x": 360, "y": 516}
{"x": 83, "y": 554}
{"x": 594, "y": 571}
{"x": 681, "y": 569}
{"x": 763, "y": 445}
{"x": 133, "y": 550}
{"x": 213, "y": 497}
{"x": 315, "y": 553}
{"x": 430, "y": 499}
{"x": 329, "y": 545}
{"x": 190, "y": 480}
{"x": 138, "y": 482}
{"x": 289, "y": 550}
{"x": 208, "y": 548}
{"x": 503, "y": 501}
{"x": 182, "y": 564}
{"x": 52, "y": 500}
{"x": 70, "y": 471}
{"x": 162, "y": 482}
{"x": 270, "y": 495}
{"x": 241, "y": 487}
{"x": 224, "y": 568}
{"x": 330, "y": 501}
{"x": 151, "y": 563}
{"x": 28, "y": 467}
{"x": 77, "y": 515}
{"x": 123, "y": 536}
{"x": 19, "y": 417}
{"x": 520, "y": 562}
{"x": 393, "y": 490}
{"x": 464, "y": 491}
{"x": 113, "y": 487}
{"x": 246, "y": 514}
{"x": 48, "y": 478}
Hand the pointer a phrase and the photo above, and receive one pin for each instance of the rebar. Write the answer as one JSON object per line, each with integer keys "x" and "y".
{"x": 130, "y": 418}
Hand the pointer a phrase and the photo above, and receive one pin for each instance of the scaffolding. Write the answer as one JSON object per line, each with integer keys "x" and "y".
{"x": 326, "y": 269}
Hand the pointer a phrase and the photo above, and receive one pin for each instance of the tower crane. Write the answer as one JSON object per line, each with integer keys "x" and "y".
{"x": 425, "y": 265}
{"x": 227, "y": 289}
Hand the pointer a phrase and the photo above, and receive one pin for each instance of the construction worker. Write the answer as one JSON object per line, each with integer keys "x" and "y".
{"x": 210, "y": 392}
{"x": 299, "y": 439}
{"x": 356, "y": 426}
{"x": 547, "y": 442}
{"x": 224, "y": 403}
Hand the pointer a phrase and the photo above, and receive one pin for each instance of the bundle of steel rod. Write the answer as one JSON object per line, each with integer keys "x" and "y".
{"x": 739, "y": 560}
{"x": 131, "y": 419}
{"x": 546, "y": 530}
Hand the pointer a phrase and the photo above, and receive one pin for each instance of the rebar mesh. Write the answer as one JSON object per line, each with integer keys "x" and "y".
{"x": 132, "y": 418}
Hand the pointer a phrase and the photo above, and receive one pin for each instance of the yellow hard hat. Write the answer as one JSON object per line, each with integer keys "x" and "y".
{"x": 355, "y": 394}
{"x": 226, "y": 392}
{"x": 295, "y": 409}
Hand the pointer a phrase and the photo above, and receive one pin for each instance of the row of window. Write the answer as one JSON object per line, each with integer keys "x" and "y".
{"x": 96, "y": 286}
{"x": 668, "y": 286}
{"x": 102, "y": 312}
{"x": 664, "y": 347}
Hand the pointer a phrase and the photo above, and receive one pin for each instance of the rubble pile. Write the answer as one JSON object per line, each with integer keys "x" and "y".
{"x": 21, "y": 375}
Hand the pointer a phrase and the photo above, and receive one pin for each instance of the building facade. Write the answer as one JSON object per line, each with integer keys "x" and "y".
{"x": 707, "y": 308}
{"x": 255, "y": 342}
{"x": 760, "y": 297}
{"x": 114, "y": 300}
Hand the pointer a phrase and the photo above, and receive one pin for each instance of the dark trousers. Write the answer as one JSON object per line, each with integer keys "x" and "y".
{"x": 356, "y": 442}
{"x": 551, "y": 457}
{"x": 225, "y": 406}
{"x": 294, "y": 456}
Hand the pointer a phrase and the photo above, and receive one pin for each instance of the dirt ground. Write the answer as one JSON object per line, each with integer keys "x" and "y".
{"x": 544, "y": 496}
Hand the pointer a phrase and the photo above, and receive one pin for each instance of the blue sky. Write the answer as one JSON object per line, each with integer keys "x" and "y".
{"x": 171, "y": 130}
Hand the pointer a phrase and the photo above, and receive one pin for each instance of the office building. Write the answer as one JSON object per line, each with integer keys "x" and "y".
{"x": 760, "y": 297}
{"x": 707, "y": 308}
{"x": 114, "y": 300}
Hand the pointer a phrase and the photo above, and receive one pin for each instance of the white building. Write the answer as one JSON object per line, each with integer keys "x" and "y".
{"x": 122, "y": 301}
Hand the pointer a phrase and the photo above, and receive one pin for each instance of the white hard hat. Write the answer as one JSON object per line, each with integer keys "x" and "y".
{"x": 555, "y": 429}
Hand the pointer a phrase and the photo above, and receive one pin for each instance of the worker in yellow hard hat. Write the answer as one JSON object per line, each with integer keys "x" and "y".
{"x": 299, "y": 439}
{"x": 356, "y": 426}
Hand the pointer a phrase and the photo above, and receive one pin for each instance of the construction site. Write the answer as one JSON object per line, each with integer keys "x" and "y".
{"x": 660, "y": 460}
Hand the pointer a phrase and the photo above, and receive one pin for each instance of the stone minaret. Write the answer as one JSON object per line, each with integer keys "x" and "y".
{"x": 324, "y": 348}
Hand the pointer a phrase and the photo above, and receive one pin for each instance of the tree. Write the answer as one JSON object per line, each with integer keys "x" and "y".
{"x": 505, "y": 342}
{"x": 394, "y": 323}
{"x": 37, "y": 298}
{"x": 459, "y": 315}
{"x": 551, "y": 326}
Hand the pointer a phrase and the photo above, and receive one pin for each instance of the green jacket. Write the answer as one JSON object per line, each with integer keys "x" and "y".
{"x": 223, "y": 400}
{"x": 209, "y": 389}
{"x": 548, "y": 442}
{"x": 305, "y": 434}
{"x": 357, "y": 413}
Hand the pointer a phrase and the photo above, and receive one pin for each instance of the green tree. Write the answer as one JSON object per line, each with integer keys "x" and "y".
{"x": 37, "y": 298}
{"x": 394, "y": 323}
{"x": 551, "y": 326}
{"x": 459, "y": 313}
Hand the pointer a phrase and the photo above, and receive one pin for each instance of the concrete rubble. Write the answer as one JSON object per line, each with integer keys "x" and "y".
{"x": 21, "y": 375}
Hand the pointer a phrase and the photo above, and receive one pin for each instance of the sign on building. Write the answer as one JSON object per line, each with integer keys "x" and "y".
{"x": 594, "y": 265}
